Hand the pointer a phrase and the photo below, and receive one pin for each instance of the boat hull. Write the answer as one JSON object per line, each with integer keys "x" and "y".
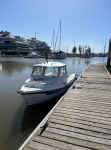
{"x": 40, "y": 97}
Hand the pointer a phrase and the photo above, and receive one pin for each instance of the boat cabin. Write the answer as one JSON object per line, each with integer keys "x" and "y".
{"x": 48, "y": 70}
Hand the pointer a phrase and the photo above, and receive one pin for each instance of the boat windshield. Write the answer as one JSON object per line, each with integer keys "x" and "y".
{"x": 63, "y": 71}
{"x": 51, "y": 72}
{"x": 37, "y": 71}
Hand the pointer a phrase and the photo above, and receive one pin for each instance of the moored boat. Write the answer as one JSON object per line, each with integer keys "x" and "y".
{"x": 85, "y": 55}
{"x": 47, "y": 81}
{"x": 33, "y": 55}
{"x": 58, "y": 55}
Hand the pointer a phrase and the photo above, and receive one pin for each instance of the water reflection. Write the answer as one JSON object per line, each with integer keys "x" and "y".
{"x": 14, "y": 67}
{"x": 0, "y": 66}
{"x": 87, "y": 62}
{"x": 26, "y": 121}
{"x": 34, "y": 114}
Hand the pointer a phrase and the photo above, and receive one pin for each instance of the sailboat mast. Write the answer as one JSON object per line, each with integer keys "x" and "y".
{"x": 104, "y": 46}
{"x": 53, "y": 39}
{"x": 52, "y": 43}
{"x": 60, "y": 37}
{"x": 35, "y": 35}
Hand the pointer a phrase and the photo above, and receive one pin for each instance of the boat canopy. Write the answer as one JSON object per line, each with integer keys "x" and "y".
{"x": 51, "y": 64}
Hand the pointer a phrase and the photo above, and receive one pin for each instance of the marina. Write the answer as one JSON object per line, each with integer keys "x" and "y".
{"x": 55, "y": 75}
{"x": 81, "y": 119}
{"x": 19, "y": 120}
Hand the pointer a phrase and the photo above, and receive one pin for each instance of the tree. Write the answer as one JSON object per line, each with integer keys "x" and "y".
{"x": 80, "y": 50}
{"x": 74, "y": 50}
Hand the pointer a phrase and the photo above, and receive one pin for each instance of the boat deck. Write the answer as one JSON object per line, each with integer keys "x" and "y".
{"x": 81, "y": 120}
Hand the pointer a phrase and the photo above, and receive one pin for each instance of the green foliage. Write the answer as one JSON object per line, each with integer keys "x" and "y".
{"x": 74, "y": 50}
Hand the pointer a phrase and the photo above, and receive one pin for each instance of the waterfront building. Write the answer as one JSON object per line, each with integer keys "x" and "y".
{"x": 38, "y": 46}
{"x": 12, "y": 45}
{"x": 15, "y": 45}
{"x": 7, "y": 40}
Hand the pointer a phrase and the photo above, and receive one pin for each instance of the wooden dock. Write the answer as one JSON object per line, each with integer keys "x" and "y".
{"x": 81, "y": 120}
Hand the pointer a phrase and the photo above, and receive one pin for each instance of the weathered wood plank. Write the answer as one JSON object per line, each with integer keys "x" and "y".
{"x": 79, "y": 136}
{"x": 58, "y": 144}
{"x": 76, "y": 141}
{"x": 78, "y": 125}
{"x": 79, "y": 130}
{"x": 61, "y": 113}
{"x": 81, "y": 117}
{"x": 89, "y": 92}
{"x": 84, "y": 115}
{"x": 85, "y": 108}
{"x": 80, "y": 89}
{"x": 40, "y": 146}
{"x": 88, "y": 103}
{"x": 91, "y": 98}
{"x": 103, "y": 115}
{"x": 95, "y": 124}
{"x": 27, "y": 148}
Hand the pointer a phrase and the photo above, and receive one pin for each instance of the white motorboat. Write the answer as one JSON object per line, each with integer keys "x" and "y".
{"x": 47, "y": 81}
{"x": 33, "y": 55}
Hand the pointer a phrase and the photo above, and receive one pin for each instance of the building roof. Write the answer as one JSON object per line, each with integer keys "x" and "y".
{"x": 6, "y": 35}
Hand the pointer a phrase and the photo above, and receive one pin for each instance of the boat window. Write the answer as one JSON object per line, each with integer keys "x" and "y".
{"x": 51, "y": 72}
{"x": 37, "y": 71}
{"x": 62, "y": 71}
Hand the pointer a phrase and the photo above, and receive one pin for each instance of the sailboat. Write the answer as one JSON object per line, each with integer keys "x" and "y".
{"x": 59, "y": 54}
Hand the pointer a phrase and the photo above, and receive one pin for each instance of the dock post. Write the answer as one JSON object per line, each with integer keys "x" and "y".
{"x": 109, "y": 55}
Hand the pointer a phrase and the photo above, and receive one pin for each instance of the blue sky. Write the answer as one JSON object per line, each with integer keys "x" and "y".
{"x": 87, "y": 22}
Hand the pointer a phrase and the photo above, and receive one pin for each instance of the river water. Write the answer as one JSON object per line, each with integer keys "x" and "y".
{"x": 17, "y": 120}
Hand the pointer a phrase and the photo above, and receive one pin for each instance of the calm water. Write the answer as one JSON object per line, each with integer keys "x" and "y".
{"x": 17, "y": 120}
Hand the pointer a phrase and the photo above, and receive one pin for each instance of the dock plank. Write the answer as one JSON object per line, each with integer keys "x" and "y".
{"x": 58, "y": 144}
{"x": 85, "y": 118}
{"x": 79, "y": 136}
{"x": 79, "y": 125}
{"x": 75, "y": 141}
{"x": 79, "y": 130}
